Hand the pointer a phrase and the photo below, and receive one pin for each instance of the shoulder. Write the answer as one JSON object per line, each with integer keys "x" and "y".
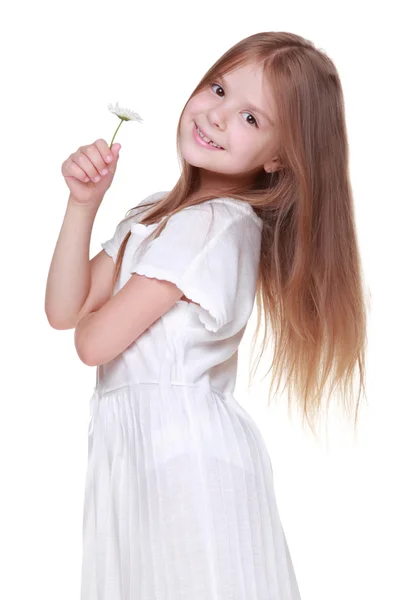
{"x": 152, "y": 199}
{"x": 235, "y": 209}
{"x": 222, "y": 206}
{"x": 220, "y": 228}
{"x": 136, "y": 214}
{"x": 231, "y": 219}
{"x": 224, "y": 209}
{"x": 203, "y": 221}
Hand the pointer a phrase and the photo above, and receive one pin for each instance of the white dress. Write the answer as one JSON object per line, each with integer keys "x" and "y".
{"x": 179, "y": 498}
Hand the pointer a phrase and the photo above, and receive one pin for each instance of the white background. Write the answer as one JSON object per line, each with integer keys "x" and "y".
{"x": 61, "y": 66}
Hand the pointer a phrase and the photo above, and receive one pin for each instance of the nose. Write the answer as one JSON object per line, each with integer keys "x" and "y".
{"x": 217, "y": 118}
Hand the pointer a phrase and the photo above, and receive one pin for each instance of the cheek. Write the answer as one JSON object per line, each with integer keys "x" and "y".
{"x": 195, "y": 105}
{"x": 247, "y": 148}
{"x": 248, "y": 139}
{"x": 243, "y": 141}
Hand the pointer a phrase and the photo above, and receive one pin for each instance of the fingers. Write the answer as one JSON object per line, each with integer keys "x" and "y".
{"x": 94, "y": 159}
{"x": 72, "y": 169}
{"x": 91, "y": 162}
{"x": 104, "y": 150}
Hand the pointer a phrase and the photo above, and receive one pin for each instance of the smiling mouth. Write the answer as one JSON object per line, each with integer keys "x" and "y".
{"x": 206, "y": 139}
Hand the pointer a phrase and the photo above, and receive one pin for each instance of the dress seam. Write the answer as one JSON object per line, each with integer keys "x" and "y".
{"x": 101, "y": 392}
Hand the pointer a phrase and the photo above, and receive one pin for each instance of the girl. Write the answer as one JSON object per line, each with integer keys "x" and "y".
{"x": 179, "y": 498}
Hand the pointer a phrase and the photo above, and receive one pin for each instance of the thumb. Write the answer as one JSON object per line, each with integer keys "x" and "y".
{"x": 115, "y": 148}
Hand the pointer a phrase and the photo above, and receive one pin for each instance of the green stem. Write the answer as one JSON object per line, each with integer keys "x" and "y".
{"x": 115, "y": 133}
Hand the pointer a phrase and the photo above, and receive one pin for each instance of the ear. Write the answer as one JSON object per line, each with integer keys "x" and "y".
{"x": 273, "y": 165}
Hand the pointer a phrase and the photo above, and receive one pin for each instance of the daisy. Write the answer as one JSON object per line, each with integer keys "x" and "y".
{"x": 125, "y": 114}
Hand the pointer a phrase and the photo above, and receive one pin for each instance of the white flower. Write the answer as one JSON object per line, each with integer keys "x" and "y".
{"x": 125, "y": 114}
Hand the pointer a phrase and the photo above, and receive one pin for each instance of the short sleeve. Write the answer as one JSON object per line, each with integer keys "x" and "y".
{"x": 208, "y": 251}
{"x": 112, "y": 245}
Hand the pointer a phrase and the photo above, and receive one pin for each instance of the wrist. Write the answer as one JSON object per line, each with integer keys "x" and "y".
{"x": 79, "y": 207}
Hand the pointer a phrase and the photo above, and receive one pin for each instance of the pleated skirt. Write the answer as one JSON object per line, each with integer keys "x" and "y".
{"x": 179, "y": 500}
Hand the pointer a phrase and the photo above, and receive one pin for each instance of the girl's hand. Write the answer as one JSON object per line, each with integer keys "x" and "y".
{"x": 83, "y": 166}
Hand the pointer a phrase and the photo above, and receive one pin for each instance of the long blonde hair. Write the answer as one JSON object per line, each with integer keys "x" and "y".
{"x": 309, "y": 285}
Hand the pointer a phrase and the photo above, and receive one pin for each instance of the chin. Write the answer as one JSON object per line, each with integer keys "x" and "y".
{"x": 191, "y": 156}
{"x": 194, "y": 160}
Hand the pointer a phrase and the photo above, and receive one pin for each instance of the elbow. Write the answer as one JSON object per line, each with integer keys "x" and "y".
{"x": 87, "y": 358}
{"x": 57, "y": 322}
{"x": 86, "y": 353}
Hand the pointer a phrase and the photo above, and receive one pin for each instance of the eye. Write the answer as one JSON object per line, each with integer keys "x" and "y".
{"x": 217, "y": 86}
{"x": 255, "y": 122}
{"x": 254, "y": 119}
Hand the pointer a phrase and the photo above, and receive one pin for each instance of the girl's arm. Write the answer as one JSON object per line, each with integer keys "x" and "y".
{"x": 103, "y": 334}
{"x": 69, "y": 278}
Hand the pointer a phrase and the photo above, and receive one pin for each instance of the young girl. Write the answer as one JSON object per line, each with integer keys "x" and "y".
{"x": 179, "y": 499}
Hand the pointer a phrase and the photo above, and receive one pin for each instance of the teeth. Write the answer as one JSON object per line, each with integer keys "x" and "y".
{"x": 205, "y": 138}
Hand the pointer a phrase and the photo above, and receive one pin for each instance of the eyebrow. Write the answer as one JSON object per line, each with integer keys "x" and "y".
{"x": 251, "y": 106}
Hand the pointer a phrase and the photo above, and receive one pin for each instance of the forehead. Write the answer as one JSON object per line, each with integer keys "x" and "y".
{"x": 248, "y": 70}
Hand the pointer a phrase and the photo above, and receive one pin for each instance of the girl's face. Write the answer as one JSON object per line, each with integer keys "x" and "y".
{"x": 237, "y": 112}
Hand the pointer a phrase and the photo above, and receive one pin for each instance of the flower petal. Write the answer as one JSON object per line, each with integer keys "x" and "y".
{"x": 125, "y": 113}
